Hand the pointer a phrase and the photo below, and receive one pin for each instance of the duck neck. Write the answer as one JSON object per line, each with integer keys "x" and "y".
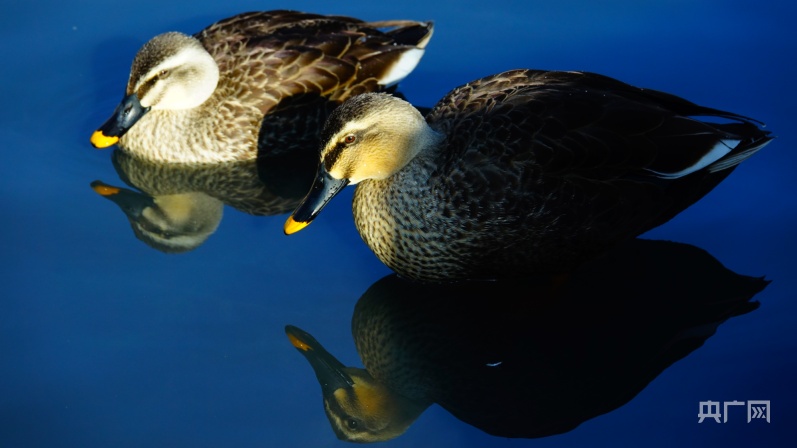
{"x": 425, "y": 143}
{"x": 429, "y": 140}
{"x": 194, "y": 135}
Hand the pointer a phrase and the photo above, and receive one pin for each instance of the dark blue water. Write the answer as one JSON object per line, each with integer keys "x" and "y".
{"x": 105, "y": 341}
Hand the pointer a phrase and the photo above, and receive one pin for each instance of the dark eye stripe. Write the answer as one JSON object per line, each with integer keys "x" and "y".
{"x": 146, "y": 87}
{"x": 333, "y": 155}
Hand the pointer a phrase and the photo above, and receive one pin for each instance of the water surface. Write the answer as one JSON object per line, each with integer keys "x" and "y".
{"x": 109, "y": 342}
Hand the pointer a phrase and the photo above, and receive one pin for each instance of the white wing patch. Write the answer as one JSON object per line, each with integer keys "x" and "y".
{"x": 720, "y": 150}
{"x": 403, "y": 67}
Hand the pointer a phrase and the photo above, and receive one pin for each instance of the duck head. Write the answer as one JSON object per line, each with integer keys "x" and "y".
{"x": 371, "y": 136}
{"x": 358, "y": 407}
{"x": 172, "y": 71}
{"x": 170, "y": 223}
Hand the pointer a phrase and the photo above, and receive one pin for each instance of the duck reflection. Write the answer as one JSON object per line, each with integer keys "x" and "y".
{"x": 529, "y": 358}
{"x": 176, "y": 207}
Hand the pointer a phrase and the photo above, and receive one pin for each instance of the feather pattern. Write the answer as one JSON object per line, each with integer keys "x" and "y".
{"x": 532, "y": 172}
{"x": 294, "y": 65}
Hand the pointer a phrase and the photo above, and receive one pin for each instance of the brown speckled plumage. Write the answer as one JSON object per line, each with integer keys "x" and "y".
{"x": 279, "y": 71}
{"x": 536, "y": 172}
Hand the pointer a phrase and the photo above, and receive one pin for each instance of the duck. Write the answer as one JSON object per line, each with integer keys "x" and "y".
{"x": 523, "y": 172}
{"x": 255, "y": 84}
{"x": 525, "y": 358}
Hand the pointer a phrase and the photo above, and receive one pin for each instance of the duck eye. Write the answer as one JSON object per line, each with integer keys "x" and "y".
{"x": 163, "y": 73}
{"x": 349, "y": 139}
{"x": 352, "y": 424}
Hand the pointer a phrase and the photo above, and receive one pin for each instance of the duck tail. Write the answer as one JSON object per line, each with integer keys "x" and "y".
{"x": 754, "y": 139}
{"x": 390, "y": 62}
{"x": 736, "y": 143}
{"x": 406, "y": 32}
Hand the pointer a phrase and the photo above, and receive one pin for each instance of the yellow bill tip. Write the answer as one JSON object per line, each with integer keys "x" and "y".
{"x": 298, "y": 343}
{"x": 292, "y": 226}
{"x": 105, "y": 190}
{"x": 100, "y": 140}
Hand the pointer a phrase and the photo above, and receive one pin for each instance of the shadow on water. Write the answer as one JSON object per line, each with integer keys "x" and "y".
{"x": 529, "y": 358}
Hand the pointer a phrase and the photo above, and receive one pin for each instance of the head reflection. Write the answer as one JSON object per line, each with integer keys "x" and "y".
{"x": 176, "y": 207}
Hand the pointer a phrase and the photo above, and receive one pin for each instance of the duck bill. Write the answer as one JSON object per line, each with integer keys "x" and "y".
{"x": 329, "y": 371}
{"x": 127, "y": 113}
{"x": 132, "y": 203}
{"x": 324, "y": 188}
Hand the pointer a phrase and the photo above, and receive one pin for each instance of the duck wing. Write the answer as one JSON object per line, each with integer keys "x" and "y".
{"x": 587, "y": 143}
{"x": 289, "y": 53}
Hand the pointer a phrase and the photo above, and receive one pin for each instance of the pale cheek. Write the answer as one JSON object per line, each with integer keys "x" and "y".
{"x": 337, "y": 173}
{"x": 177, "y": 98}
{"x": 154, "y": 99}
{"x": 149, "y": 101}
{"x": 368, "y": 171}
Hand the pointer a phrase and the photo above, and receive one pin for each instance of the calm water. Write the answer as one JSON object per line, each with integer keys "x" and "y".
{"x": 105, "y": 341}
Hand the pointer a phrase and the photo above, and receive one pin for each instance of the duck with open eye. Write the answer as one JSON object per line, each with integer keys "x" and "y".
{"x": 525, "y": 172}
